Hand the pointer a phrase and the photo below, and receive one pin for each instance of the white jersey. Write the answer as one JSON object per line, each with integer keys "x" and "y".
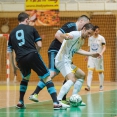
{"x": 96, "y": 43}
{"x": 69, "y": 47}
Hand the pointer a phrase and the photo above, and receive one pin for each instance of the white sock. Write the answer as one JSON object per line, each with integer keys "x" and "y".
{"x": 101, "y": 78}
{"x": 64, "y": 89}
{"x": 77, "y": 86}
{"x": 89, "y": 77}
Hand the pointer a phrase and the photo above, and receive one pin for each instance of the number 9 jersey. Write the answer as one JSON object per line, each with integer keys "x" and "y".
{"x": 22, "y": 40}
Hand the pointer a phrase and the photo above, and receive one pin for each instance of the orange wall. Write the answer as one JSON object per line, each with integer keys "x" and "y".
{"x": 107, "y": 26}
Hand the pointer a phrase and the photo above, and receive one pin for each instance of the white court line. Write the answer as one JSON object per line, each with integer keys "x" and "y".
{"x": 51, "y": 100}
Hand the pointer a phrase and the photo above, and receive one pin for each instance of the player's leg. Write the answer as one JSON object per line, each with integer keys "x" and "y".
{"x": 90, "y": 66}
{"x": 66, "y": 71}
{"x": 64, "y": 100}
{"x": 25, "y": 69}
{"x": 89, "y": 79}
{"x": 100, "y": 69}
{"x": 53, "y": 70}
{"x": 101, "y": 79}
{"x": 80, "y": 75}
{"x": 41, "y": 84}
{"x": 39, "y": 67}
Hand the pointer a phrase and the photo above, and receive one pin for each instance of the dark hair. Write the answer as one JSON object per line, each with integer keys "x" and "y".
{"x": 22, "y": 16}
{"x": 84, "y": 17}
{"x": 89, "y": 26}
{"x": 95, "y": 27}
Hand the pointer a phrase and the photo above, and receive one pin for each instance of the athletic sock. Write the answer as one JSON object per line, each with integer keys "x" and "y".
{"x": 64, "y": 89}
{"x": 39, "y": 87}
{"x": 52, "y": 91}
{"x": 89, "y": 78}
{"x": 101, "y": 79}
{"x": 64, "y": 97}
{"x": 23, "y": 88}
{"x": 77, "y": 86}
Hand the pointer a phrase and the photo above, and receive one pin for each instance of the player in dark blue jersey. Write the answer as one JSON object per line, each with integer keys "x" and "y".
{"x": 56, "y": 44}
{"x": 26, "y": 43}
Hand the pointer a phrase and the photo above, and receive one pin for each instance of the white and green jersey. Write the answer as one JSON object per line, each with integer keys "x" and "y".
{"x": 69, "y": 47}
{"x": 96, "y": 44}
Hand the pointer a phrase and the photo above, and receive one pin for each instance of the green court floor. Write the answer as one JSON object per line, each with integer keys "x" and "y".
{"x": 101, "y": 104}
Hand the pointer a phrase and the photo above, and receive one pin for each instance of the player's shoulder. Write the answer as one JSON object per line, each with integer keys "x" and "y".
{"x": 102, "y": 37}
{"x": 70, "y": 24}
{"x": 75, "y": 32}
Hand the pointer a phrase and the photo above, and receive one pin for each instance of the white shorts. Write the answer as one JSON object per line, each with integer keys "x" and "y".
{"x": 95, "y": 63}
{"x": 65, "y": 67}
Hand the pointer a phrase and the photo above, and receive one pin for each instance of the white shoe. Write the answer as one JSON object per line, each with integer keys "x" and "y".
{"x": 59, "y": 107}
{"x": 82, "y": 104}
{"x": 34, "y": 98}
{"x": 101, "y": 88}
{"x": 64, "y": 105}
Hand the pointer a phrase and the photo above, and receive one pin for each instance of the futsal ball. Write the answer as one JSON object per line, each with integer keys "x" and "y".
{"x": 75, "y": 100}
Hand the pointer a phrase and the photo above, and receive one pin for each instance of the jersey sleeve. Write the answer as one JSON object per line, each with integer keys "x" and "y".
{"x": 36, "y": 36}
{"x": 68, "y": 27}
{"x": 89, "y": 41}
{"x": 103, "y": 40}
{"x": 9, "y": 47}
{"x": 75, "y": 34}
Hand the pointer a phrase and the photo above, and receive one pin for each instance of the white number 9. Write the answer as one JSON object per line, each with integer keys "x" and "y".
{"x": 20, "y": 37}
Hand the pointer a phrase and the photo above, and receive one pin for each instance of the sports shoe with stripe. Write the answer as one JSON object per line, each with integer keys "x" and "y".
{"x": 20, "y": 105}
{"x": 64, "y": 105}
{"x": 34, "y": 98}
{"x": 66, "y": 102}
{"x": 87, "y": 88}
{"x": 82, "y": 104}
{"x": 59, "y": 107}
{"x": 101, "y": 88}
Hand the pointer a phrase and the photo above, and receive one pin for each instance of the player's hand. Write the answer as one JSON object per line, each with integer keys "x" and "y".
{"x": 67, "y": 36}
{"x": 95, "y": 55}
{"x": 100, "y": 55}
{"x": 15, "y": 70}
{"x": 86, "y": 58}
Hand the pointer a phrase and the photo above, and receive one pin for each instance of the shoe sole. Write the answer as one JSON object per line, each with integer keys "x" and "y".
{"x": 87, "y": 89}
{"x": 20, "y": 107}
{"x": 82, "y": 105}
{"x": 60, "y": 108}
{"x": 33, "y": 100}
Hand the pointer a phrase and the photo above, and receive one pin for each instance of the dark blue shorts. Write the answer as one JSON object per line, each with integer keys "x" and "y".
{"x": 51, "y": 57}
{"x": 33, "y": 61}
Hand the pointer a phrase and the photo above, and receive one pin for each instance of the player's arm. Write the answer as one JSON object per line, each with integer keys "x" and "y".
{"x": 12, "y": 61}
{"x": 86, "y": 53}
{"x": 103, "y": 49}
{"x": 11, "y": 57}
{"x": 39, "y": 45}
{"x": 58, "y": 36}
{"x": 66, "y": 36}
{"x": 37, "y": 40}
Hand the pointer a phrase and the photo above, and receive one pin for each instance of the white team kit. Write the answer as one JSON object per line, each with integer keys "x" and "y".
{"x": 96, "y": 46}
{"x": 64, "y": 57}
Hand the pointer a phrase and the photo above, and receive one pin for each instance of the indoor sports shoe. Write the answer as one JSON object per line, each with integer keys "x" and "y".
{"x": 20, "y": 106}
{"x": 34, "y": 98}
{"x": 66, "y": 102}
{"x": 101, "y": 88}
{"x": 59, "y": 107}
{"x": 83, "y": 104}
{"x": 87, "y": 88}
{"x": 64, "y": 105}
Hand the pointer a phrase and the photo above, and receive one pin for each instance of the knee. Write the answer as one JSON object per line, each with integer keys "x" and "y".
{"x": 83, "y": 76}
{"x": 53, "y": 74}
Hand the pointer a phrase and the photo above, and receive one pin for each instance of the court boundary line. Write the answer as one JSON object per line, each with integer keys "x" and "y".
{"x": 68, "y": 97}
